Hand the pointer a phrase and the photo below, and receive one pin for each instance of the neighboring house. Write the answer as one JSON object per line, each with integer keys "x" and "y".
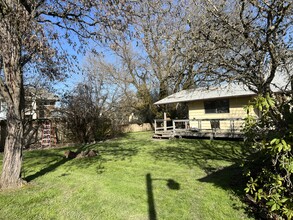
{"x": 216, "y": 111}
{"x": 39, "y": 104}
{"x": 39, "y": 108}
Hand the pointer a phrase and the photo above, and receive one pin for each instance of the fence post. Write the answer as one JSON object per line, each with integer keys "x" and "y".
{"x": 155, "y": 126}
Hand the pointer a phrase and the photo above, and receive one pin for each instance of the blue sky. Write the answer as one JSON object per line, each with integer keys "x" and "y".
{"x": 76, "y": 76}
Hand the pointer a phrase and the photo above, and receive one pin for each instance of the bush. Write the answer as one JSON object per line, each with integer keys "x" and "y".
{"x": 84, "y": 115}
{"x": 269, "y": 166}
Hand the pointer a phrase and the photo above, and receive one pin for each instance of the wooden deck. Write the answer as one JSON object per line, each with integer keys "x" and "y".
{"x": 165, "y": 129}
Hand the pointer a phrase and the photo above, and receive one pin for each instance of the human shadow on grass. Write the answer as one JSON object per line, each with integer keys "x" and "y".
{"x": 172, "y": 185}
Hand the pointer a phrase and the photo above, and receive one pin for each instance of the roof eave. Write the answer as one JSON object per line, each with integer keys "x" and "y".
{"x": 192, "y": 100}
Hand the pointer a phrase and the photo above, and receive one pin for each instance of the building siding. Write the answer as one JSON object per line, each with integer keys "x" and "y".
{"x": 236, "y": 110}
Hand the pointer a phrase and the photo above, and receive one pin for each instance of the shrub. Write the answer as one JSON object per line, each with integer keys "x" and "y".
{"x": 269, "y": 166}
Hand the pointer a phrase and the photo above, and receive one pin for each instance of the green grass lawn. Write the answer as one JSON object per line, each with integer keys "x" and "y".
{"x": 134, "y": 177}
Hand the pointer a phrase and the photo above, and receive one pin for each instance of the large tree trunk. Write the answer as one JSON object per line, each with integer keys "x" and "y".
{"x": 13, "y": 94}
{"x": 12, "y": 161}
{"x": 11, "y": 171}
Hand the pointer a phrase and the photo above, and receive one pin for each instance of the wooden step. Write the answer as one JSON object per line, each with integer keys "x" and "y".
{"x": 163, "y": 136}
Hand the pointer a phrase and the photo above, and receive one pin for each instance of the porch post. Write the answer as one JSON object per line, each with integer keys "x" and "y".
{"x": 173, "y": 122}
{"x": 165, "y": 121}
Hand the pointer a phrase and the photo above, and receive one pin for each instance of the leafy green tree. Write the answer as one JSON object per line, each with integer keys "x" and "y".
{"x": 270, "y": 164}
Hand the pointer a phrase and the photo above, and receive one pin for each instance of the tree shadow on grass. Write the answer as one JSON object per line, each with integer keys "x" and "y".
{"x": 210, "y": 156}
{"x": 231, "y": 178}
{"x": 48, "y": 169}
{"x": 107, "y": 151}
{"x": 228, "y": 178}
{"x": 201, "y": 153}
{"x": 53, "y": 160}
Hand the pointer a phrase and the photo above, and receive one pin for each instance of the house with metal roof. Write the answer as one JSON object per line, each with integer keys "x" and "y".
{"x": 212, "y": 112}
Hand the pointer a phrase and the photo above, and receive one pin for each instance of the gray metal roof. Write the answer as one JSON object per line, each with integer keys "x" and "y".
{"x": 280, "y": 83}
{"x": 222, "y": 91}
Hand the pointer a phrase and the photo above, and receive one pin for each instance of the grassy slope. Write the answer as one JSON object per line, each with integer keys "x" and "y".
{"x": 114, "y": 185}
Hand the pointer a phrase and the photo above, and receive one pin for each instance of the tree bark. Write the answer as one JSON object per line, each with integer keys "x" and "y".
{"x": 12, "y": 161}
{"x": 13, "y": 93}
{"x": 11, "y": 171}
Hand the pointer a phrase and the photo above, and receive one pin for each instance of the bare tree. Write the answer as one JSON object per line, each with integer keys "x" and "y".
{"x": 174, "y": 45}
{"x": 155, "y": 58}
{"x": 250, "y": 42}
{"x": 83, "y": 112}
{"x": 167, "y": 52}
{"x": 246, "y": 40}
{"x": 114, "y": 81}
{"x": 156, "y": 52}
{"x": 31, "y": 37}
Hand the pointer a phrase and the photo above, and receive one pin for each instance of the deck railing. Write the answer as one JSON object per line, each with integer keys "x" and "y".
{"x": 198, "y": 125}
{"x": 162, "y": 125}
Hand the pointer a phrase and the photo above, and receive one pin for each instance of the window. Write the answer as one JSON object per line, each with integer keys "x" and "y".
{"x": 41, "y": 113}
{"x": 216, "y": 106}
